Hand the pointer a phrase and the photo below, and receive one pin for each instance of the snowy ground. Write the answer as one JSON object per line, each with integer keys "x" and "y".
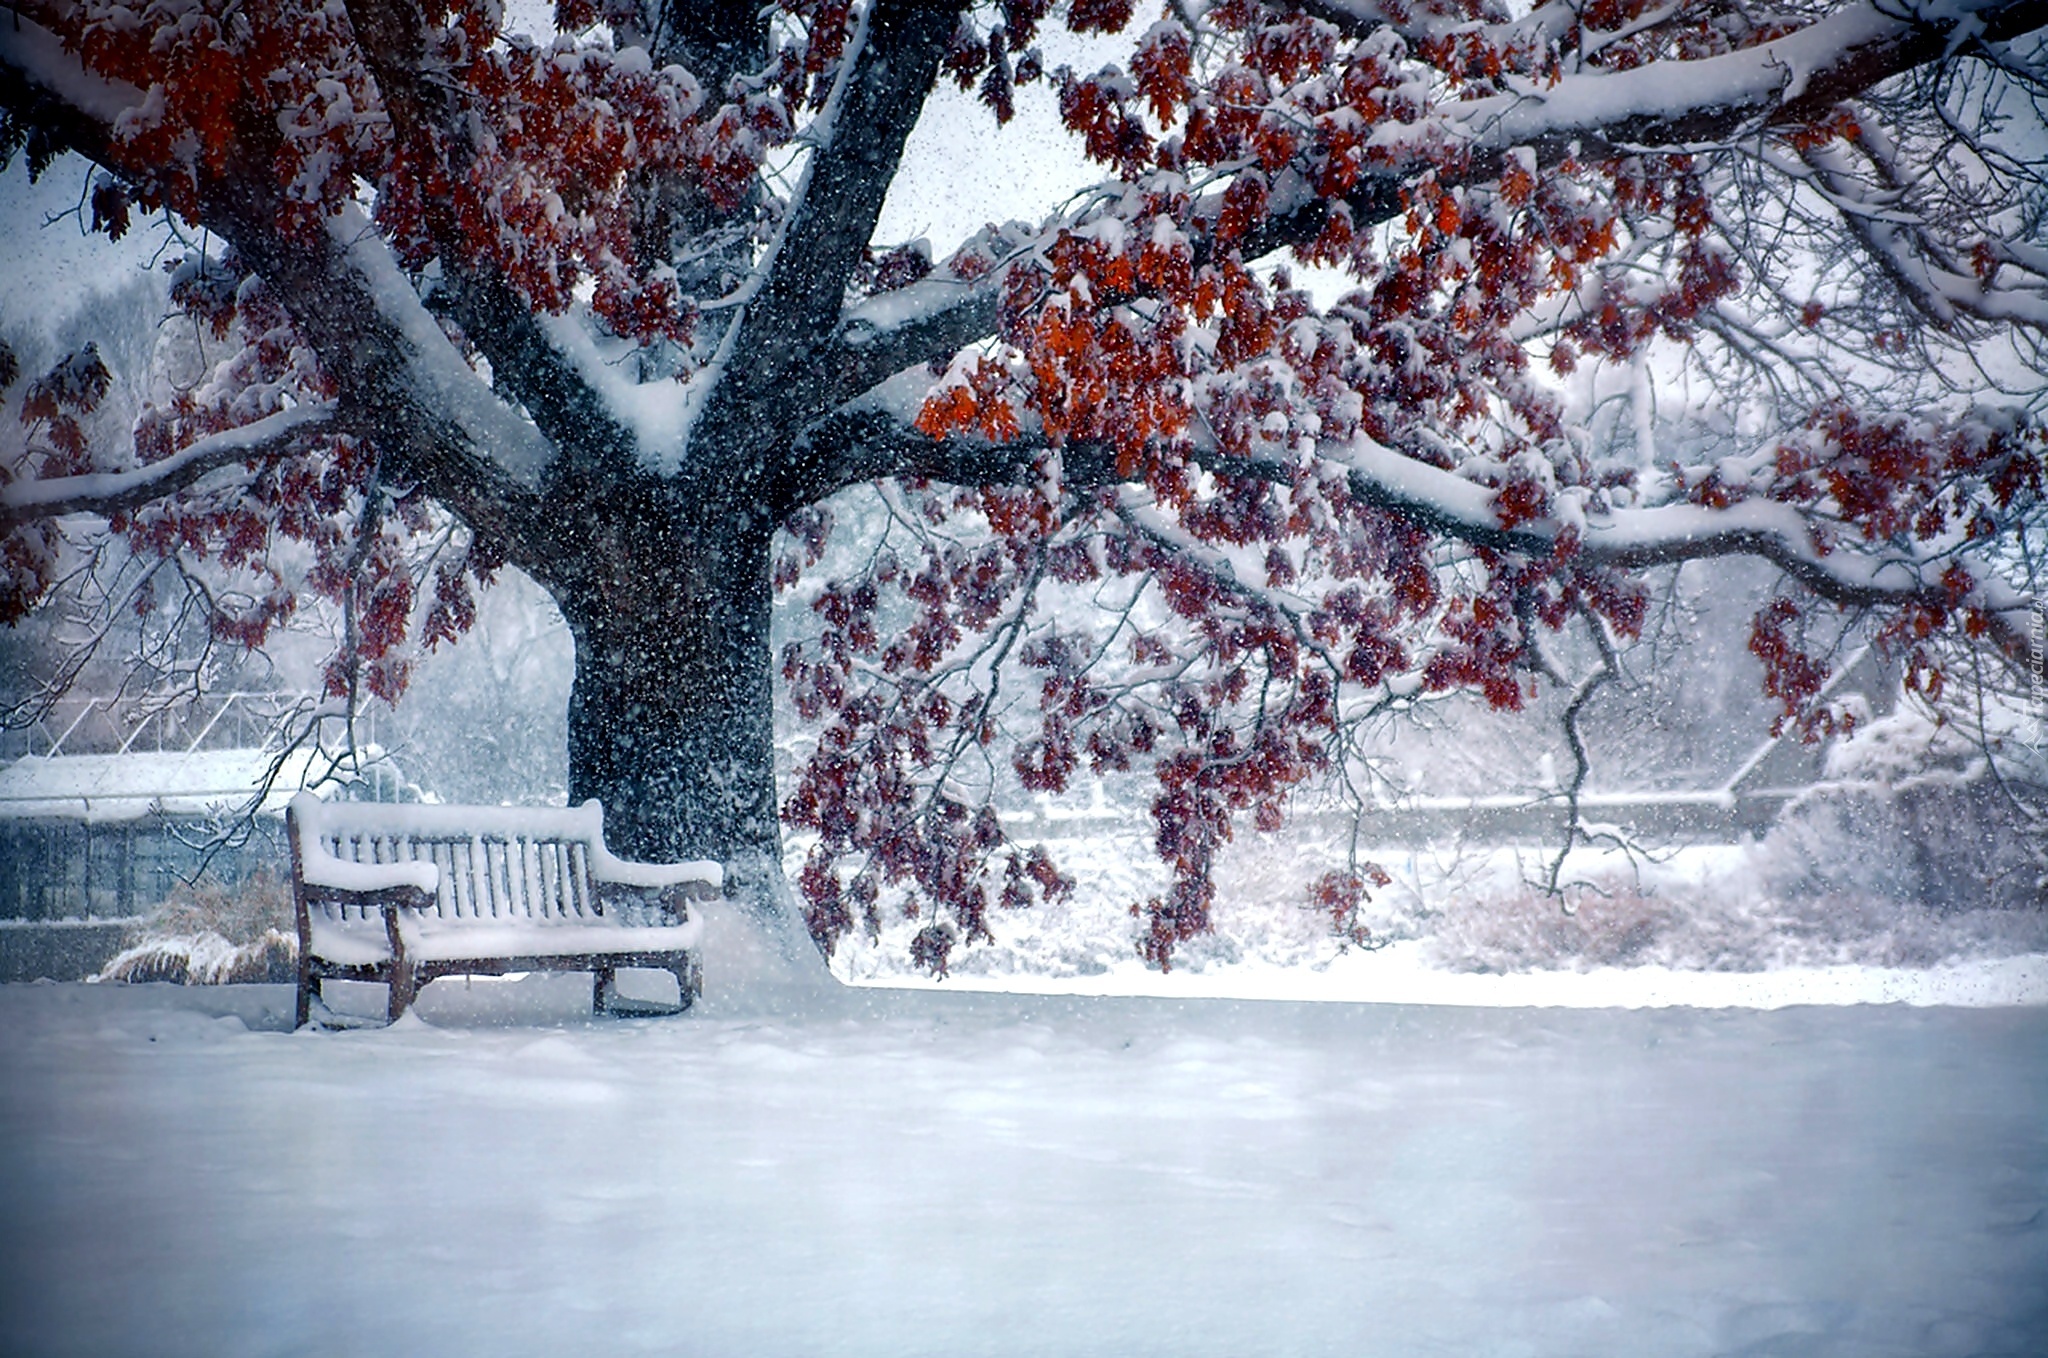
{"x": 900, "y": 1172}
{"x": 1409, "y": 973}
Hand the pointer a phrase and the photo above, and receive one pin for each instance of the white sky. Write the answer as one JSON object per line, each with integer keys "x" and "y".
{"x": 961, "y": 170}
{"x": 49, "y": 268}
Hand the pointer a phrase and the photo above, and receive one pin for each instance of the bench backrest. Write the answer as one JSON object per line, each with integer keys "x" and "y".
{"x": 491, "y": 862}
{"x": 495, "y": 876}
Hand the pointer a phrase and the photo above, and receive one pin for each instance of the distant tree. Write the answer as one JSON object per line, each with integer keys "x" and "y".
{"x": 608, "y": 307}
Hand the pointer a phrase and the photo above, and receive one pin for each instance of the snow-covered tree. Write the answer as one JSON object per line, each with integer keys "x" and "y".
{"x": 608, "y": 307}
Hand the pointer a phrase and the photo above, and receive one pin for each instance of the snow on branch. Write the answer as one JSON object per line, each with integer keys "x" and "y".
{"x": 112, "y": 492}
{"x": 38, "y": 57}
{"x": 434, "y": 128}
{"x": 401, "y": 381}
{"x": 1663, "y": 535}
{"x": 873, "y": 444}
{"x": 1675, "y": 102}
{"x": 1670, "y": 103}
{"x": 437, "y": 374}
{"x": 1666, "y": 103}
{"x": 1922, "y": 273}
{"x": 930, "y": 319}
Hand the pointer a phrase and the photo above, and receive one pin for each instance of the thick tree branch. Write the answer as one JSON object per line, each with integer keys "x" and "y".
{"x": 400, "y": 383}
{"x": 893, "y": 62}
{"x": 834, "y": 212}
{"x": 1447, "y": 505}
{"x": 1791, "y": 80}
{"x": 926, "y": 322}
{"x": 858, "y": 446}
{"x": 112, "y": 492}
{"x": 526, "y": 365}
{"x": 872, "y": 444}
{"x": 403, "y": 384}
{"x": 427, "y": 119}
{"x": 75, "y": 120}
{"x": 853, "y": 447}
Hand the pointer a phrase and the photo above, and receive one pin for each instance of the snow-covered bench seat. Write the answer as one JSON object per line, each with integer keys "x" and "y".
{"x": 403, "y": 894}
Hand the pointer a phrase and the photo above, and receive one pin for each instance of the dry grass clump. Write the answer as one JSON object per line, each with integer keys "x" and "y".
{"x": 206, "y": 933}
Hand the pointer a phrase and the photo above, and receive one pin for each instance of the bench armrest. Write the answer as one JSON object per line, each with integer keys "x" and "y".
{"x": 306, "y": 818}
{"x": 698, "y": 880}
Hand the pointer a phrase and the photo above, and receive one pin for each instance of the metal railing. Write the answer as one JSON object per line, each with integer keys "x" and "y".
{"x": 235, "y": 719}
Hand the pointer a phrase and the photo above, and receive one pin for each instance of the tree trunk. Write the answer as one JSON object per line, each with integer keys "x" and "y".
{"x": 671, "y": 720}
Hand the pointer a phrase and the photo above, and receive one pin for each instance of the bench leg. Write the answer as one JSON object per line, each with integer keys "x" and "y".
{"x": 689, "y": 980}
{"x": 603, "y": 981}
{"x": 309, "y": 985}
{"x": 405, "y": 988}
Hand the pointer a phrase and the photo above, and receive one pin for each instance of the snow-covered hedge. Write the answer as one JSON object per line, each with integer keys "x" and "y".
{"x": 1943, "y": 814}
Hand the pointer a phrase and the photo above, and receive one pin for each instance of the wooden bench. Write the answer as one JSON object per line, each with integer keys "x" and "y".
{"x": 401, "y": 895}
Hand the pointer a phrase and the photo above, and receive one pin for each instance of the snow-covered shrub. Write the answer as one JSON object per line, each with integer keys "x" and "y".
{"x": 210, "y": 934}
{"x": 1937, "y": 813}
{"x": 1519, "y": 930}
{"x": 1728, "y": 922}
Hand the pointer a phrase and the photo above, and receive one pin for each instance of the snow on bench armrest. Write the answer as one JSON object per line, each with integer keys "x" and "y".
{"x": 605, "y": 866}
{"x": 315, "y": 820}
{"x": 624, "y": 872}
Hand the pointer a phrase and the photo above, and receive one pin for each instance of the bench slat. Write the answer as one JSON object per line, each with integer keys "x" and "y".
{"x": 532, "y": 890}
{"x": 461, "y": 890}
